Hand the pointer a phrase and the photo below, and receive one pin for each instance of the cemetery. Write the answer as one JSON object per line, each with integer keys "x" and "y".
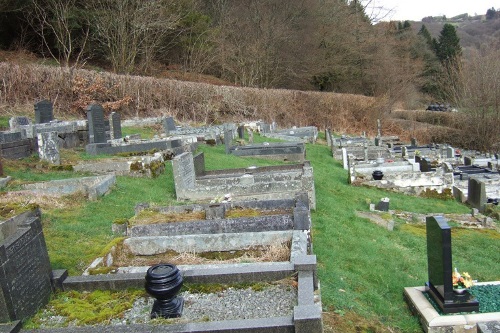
{"x": 245, "y": 223}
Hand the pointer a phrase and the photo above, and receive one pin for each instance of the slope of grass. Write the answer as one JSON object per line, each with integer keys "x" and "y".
{"x": 364, "y": 267}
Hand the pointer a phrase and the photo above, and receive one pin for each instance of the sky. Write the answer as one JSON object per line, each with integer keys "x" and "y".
{"x": 415, "y": 10}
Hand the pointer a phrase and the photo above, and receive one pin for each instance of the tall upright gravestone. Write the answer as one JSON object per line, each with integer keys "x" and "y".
{"x": 169, "y": 125}
{"x": 44, "y": 112}
{"x": 115, "y": 126}
{"x": 48, "y": 147}
{"x": 439, "y": 262}
{"x": 95, "y": 117}
{"x": 25, "y": 272}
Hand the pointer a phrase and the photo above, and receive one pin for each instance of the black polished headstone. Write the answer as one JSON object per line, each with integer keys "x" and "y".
{"x": 97, "y": 131}
{"x": 44, "y": 112}
{"x": 1, "y": 168}
{"x": 439, "y": 263}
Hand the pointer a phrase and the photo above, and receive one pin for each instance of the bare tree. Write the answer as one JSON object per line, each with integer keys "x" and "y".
{"x": 478, "y": 95}
{"x": 130, "y": 29}
{"x": 63, "y": 32}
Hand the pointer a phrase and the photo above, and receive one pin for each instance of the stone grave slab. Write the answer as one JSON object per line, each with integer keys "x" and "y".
{"x": 95, "y": 117}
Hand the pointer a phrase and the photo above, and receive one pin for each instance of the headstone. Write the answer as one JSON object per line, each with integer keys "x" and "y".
{"x": 425, "y": 165}
{"x": 450, "y": 152}
{"x": 48, "y": 147}
{"x": 44, "y": 112}
{"x": 379, "y": 128}
{"x": 228, "y": 138}
{"x": 378, "y": 142}
{"x": 115, "y": 126}
{"x": 1, "y": 168}
{"x": 169, "y": 125}
{"x": 241, "y": 132}
{"x": 97, "y": 131}
{"x": 476, "y": 196}
{"x": 345, "y": 160}
{"x": 250, "y": 136}
{"x": 266, "y": 128}
{"x": 199, "y": 164}
{"x": 184, "y": 172}
{"x": 365, "y": 151}
{"x": 25, "y": 272}
{"x": 468, "y": 160}
{"x": 414, "y": 142}
{"x": 383, "y": 205}
{"x": 439, "y": 263}
{"x": 15, "y": 122}
{"x": 404, "y": 151}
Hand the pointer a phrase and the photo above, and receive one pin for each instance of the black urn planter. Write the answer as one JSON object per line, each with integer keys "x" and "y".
{"x": 163, "y": 282}
{"x": 377, "y": 175}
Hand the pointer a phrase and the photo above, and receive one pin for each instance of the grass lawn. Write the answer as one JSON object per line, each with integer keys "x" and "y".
{"x": 362, "y": 267}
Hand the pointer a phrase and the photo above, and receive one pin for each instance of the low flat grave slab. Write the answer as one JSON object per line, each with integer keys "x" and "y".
{"x": 434, "y": 322}
{"x": 92, "y": 187}
{"x": 124, "y": 146}
{"x": 139, "y": 166}
{"x": 294, "y": 152}
{"x": 296, "y": 134}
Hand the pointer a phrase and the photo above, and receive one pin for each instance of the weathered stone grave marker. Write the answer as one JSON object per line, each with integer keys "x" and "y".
{"x": 115, "y": 126}
{"x": 25, "y": 272}
{"x": 1, "y": 168}
{"x": 228, "y": 138}
{"x": 95, "y": 116}
{"x": 15, "y": 122}
{"x": 439, "y": 261}
{"x": 476, "y": 196}
{"x": 169, "y": 125}
{"x": 44, "y": 112}
{"x": 48, "y": 147}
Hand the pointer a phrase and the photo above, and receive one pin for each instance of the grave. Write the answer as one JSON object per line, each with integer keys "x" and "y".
{"x": 430, "y": 318}
{"x": 439, "y": 262}
{"x": 295, "y": 134}
{"x": 44, "y": 112}
{"x": 478, "y": 191}
{"x": 48, "y": 148}
{"x": 138, "y": 166}
{"x": 91, "y": 187}
{"x": 208, "y": 134}
{"x": 278, "y": 182}
{"x": 70, "y": 133}
{"x": 169, "y": 125}
{"x": 171, "y": 145}
{"x": 95, "y": 117}
{"x": 115, "y": 127}
{"x": 16, "y": 122}
{"x": 15, "y": 144}
{"x": 284, "y": 151}
{"x": 25, "y": 272}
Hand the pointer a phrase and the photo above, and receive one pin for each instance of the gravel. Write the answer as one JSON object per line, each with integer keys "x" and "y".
{"x": 273, "y": 301}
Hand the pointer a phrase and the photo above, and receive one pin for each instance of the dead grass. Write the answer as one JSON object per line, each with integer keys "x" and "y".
{"x": 146, "y": 217}
{"x": 25, "y": 199}
{"x": 350, "y": 322}
{"x": 276, "y": 252}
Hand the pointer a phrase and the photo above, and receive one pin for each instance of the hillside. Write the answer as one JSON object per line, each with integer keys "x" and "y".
{"x": 473, "y": 31}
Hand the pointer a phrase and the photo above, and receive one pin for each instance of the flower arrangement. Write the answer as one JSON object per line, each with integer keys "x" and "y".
{"x": 461, "y": 281}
